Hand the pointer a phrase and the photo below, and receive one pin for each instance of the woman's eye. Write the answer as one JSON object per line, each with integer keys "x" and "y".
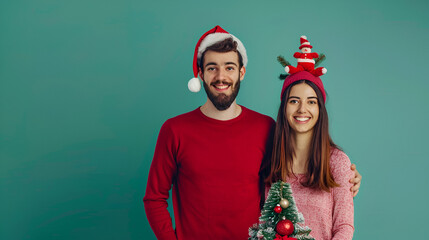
{"x": 293, "y": 101}
{"x": 313, "y": 102}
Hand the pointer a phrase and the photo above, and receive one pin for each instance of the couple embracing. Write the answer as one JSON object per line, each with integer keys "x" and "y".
{"x": 221, "y": 157}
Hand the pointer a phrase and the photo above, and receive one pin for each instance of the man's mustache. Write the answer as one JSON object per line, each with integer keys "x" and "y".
{"x": 221, "y": 82}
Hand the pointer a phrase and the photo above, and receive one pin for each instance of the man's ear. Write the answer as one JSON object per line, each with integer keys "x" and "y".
{"x": 242, "y": 73}
{"x": 200, "y": 73}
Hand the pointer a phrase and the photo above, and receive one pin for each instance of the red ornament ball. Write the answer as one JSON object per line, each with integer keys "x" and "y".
{"x": 277, "y": 209}
{"x": 285, "y": 227}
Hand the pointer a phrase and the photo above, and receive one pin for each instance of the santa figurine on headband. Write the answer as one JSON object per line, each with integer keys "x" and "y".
{"x": 305, "y": 60}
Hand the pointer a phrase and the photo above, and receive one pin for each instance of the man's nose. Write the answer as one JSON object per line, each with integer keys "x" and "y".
{"x": 221, "y": 74}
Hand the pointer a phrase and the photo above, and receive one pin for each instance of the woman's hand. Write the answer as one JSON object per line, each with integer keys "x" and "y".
{"x": 356, "y": 181}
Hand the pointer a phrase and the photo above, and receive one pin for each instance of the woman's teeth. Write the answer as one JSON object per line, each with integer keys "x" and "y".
{"x": 302, "y": 119}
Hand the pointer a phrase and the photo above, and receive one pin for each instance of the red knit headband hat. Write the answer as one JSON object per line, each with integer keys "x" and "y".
{"x": 305, "y": 70}
{"x": 303, "y": 75}
{"x": 214, "y": 35}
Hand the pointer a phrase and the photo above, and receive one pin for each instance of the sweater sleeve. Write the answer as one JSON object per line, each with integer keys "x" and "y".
{"x": 161, "y": 176}
{"x": 343, "y": 212}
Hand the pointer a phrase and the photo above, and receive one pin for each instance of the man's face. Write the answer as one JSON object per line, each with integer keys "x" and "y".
{"x": 221, "y": 78}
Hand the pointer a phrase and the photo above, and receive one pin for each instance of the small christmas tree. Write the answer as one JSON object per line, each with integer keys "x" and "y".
{"x": 280, "y": 217}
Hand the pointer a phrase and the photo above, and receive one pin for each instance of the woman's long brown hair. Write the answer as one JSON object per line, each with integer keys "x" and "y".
{"x": 318, "y": 173}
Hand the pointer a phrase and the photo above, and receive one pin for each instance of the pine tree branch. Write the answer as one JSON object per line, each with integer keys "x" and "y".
{"x": 319, "y": 60}
{"x": 269, "y": 219}
{"x": 282, "y": 61}
{"x": 283, "y": 76}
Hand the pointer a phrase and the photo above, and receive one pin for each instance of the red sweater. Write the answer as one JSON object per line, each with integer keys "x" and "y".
{"x": 213, "y": 166}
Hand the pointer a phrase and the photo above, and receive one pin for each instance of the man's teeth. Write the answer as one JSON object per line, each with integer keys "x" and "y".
{"x": 302, "y": 118}
{"x": 222, "y": 86}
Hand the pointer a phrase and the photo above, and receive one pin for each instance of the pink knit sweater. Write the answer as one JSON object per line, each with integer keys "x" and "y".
{"x": 328, "y": 214}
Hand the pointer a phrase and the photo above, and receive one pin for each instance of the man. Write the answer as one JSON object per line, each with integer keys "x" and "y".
{"x": 211, "y": 155}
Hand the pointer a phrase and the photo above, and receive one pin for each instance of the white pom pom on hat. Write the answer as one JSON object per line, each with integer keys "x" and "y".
{"x": 194, "y": 85}
{"x": 324, "y": 70}
{"x": 214, "y": 35}
{"x": 287, "y": 69}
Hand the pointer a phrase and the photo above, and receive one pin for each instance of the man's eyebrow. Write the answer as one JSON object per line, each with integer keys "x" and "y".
{"x": 229, "y": 63}
{"x": 210, "y": 63}
{"x": 215, "y": 64}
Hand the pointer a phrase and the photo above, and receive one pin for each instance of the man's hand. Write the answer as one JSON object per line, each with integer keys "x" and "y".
{"x": 356, "y": 181}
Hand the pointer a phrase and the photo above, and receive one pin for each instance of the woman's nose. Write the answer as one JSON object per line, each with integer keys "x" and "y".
{"x": 302, "y": 108}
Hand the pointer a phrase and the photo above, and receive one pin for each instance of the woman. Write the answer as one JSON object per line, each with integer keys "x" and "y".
{"x": 305, "y": 156}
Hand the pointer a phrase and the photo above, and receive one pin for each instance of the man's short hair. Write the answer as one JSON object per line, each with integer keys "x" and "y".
{"x": 226, "y": 45}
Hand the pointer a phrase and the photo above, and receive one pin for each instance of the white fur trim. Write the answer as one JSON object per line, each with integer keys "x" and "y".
{"x": 324, "y": 70}
{"x": 287, "y": 69}
{"x": 194, "y": 85}
{"x": 305, "y": 43}
{"x": 210, "y": 40}
{"x": 306, "y": 60}
{"x": 218, "y": 37}
{"x": 241, "y": 49}
{"x": 305, "y": 37}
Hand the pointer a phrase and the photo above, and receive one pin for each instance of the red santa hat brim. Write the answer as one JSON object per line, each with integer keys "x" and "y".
{"x": 218, "y": 37}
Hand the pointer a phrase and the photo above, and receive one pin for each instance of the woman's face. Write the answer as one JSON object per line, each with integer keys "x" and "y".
{"x": 302, "y": 109}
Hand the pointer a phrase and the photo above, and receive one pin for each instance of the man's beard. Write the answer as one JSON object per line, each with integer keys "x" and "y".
{"x": 222, "y": 101}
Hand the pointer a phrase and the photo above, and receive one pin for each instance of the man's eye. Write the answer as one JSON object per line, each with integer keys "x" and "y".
{"x": 229, "y": 68}
{"x": 210, "y": 69}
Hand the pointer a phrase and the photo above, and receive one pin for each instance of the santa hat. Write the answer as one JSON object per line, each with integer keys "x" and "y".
{"x": 304, "y": 42}
{"x": 214, "y": 35}
{"x": 303, "y": 75}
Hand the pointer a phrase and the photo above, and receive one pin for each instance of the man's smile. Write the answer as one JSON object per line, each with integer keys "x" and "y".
{"x": 221, "y": 87}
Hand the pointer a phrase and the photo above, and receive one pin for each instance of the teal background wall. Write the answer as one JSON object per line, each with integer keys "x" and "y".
{"x": 86, "y": 85}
